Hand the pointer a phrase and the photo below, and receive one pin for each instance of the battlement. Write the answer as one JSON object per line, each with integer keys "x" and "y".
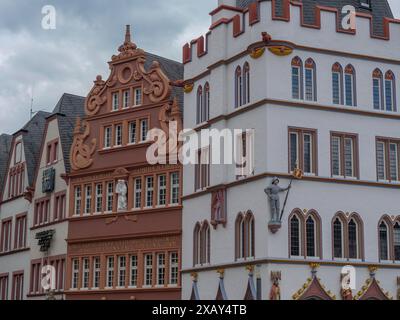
{"x": 247, "y": 24}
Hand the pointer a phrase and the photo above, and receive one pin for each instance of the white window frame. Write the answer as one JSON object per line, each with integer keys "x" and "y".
{"x": 161, "y": 269}
{"x": 121, "y": 271}
{"x": 88, "y": 200}
{"x": 134, "y": 271}
{"x": 138, "y": 93}
{"x": 110, "y": 196}
{"x": 107, "y": 137}
{"x": 173, "y": 269}
{"x": 148, "y": 270}
{"x": 99, "y": 198}
{"x": 138, "y": 184}
{"x": 77, "y": 200}
{"x": 144, "y": 128}
{"x": 115, "y": 101}
{"x": 110, "y": 272}
{"x": 75, "y": 275}
{"x": 162, "y": 191}
{"x": 85, "y": 273}
{"x": 96, "y": 272}
{"x": 132, "y": 141}
{"x": 149, "y": 190}
{"x": 126, "y": 98}
{"x": 118, "y": 135}
{"x": 175, "y": 188}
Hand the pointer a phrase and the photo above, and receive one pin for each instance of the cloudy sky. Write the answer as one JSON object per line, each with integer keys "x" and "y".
{"x": 46, "y": 63}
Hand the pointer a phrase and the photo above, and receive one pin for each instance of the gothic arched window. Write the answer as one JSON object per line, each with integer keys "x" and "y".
{"x": 205, "y": 114}
{"x": 350, "y": 86}
{"x": 390, "y": 90}
{"x": 199, "y": 105}
{"x": 295, "y": 236}
{"x": 311, "y": 237}
{"x": 297, "y": 78}
{"x": 396, "y": 241}
{"x": 337, "y": 84}
{"x": 383, "y": 242}
{"x": 338, "y": 231}
{"x": 245, "y": 236}
{"x": 377, "y": 85}
{"x": 205, "y": 244}
{"x": 310, "y": 80}
{"x": 353, "y": 237}
{"x": 246, "y": 83}
{"x": 238, "y": 87}
{"x": 196, "y": 245}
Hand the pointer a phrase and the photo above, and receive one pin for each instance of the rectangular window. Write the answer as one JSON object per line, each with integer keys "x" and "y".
{"x": 175, "y": 190}
{"x": 245, "y": 154}
{"x": 134, "y": 271}
{"x": 88, "y": 199}
{"x": 20, "y": 232}
{"x": 110, "y": 197}
{"x": 110, "y": 272}
{"x": 138, "y": 97}
{"x": 344, "y": 159}
{"x": 160, "y": 269}
{"x": 336, "y": 87}
{"x": 132, "y": 132}
{"x": 18, "y": 153}
{"x": 115, "y": 101}
{"x": 144, "y": 128}
{"x": 3, "y": 288}
{"x": 173, "y": 268}
{"x": 121, "y": 271}
{"x": 336, "y": 156}
{"x": 78, "y": 201}
{"x": 85, "y": 273}
{"x": 349, "y": 86}
{"x": 162, "y": 190}
{"x": 18, "y": 287}
{"x": 149, "y": 191}
{"x": 387, "y": 159}
{"x": 309, "y": 75}
{"x": 107, "y": 137}
{"x": 126, "y": 99}
{"x": 393, "y": 162}
{"x": 303, "y": 150}
{"x": 59, "y": 207}
{"x": 202, "y": 169}
{"x": 389, "y": 95}
{"x": 99, "y": 198}
{"x": 148, "y": 270}
{"x": 96, "y": 272}
{"x": 377, "y": 94}
{"x": 118, "y": 135}
{"x": 75, "y": 273}
{"x": 138, "y": 193}
{"x": 296, "y": 82}
{"x": 381, "y": 160}
{"x": 6, "y": 236}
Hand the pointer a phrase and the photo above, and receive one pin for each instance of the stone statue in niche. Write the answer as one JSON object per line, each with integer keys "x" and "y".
{"x": 121, "y": 191}
{"x": 273, "y": 192}
{"x": 275, "y": 293}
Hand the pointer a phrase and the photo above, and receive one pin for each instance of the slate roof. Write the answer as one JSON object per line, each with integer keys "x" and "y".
{"x": 32, "y": 134}
{"x": 379, "y": 9}
{"x": 5, "y": 146}
{"x": 173, "y": 70}
{"x": 68, "y": 108}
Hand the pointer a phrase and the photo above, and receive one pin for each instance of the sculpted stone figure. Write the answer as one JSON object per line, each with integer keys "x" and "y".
{"x": 122, "y": 191}
{"x": 273, "y": 195}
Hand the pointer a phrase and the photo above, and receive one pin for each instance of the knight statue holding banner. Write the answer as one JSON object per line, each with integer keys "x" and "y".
{"x": 273, "y": 192}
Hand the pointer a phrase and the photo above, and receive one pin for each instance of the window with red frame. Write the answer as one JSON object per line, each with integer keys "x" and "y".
{"x": 36, "y": 276}
{"x": 42, "y": 212}
{"x": 52, "y": 152}
{"x": 17, "y": 292}
{"x": 4, "y": 287}
{"x": 6, "y": 235}
{"x": 20, "y": 232}
{"x": 59, "y": 207}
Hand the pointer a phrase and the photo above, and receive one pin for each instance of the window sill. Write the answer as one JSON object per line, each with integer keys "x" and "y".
{"x": 41, "y": 226}
{"x": 3, "y": 254}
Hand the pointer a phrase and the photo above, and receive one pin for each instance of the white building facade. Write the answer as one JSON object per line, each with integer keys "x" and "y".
{"x": 17, "y": 192}
{"x": 315, "y": 98}
{"x": 50, "y": 204}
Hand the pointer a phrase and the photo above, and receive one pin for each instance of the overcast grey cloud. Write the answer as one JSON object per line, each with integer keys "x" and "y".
{"x": 47, "y": 63}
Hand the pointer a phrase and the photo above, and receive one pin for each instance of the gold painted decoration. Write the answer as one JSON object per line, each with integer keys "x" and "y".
{"x": 257, "y": 53}
{"x": 81, "y": 153}
{"x": 280, "y": 51}
{"x": 188, "y": 88}
{"x": 372, "y": 285}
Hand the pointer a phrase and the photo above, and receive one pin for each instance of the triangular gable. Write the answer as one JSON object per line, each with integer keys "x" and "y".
{"x": 251, "y": 292}
{"x": 221, "y": 294}
{"x": 195, "y": 292}
{"x": 313, "y": 290}
{"x": 372, "y": 291}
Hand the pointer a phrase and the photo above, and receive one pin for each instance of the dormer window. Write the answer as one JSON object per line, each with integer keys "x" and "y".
{"x": 115, "y": 101}
{"x": 366, "y": 4}
{"x": 18, "y": 153}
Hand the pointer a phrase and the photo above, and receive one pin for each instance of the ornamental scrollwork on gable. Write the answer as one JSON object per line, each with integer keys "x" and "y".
{"x": 81, "y": 152}
{"x": 128, "y": 66}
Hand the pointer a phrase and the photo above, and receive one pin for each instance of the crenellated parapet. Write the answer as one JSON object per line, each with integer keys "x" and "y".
{"x": 242, "y": 25}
